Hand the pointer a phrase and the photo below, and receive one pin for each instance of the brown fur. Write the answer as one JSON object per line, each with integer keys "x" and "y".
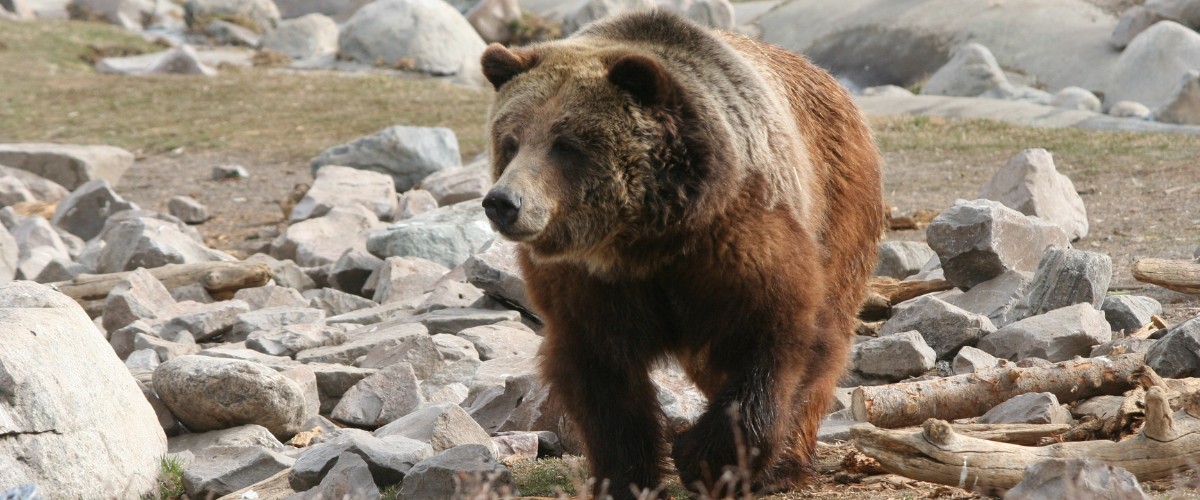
{"x": 693, "y": 195}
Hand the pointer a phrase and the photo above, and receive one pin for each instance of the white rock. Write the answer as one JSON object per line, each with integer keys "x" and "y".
{"x": 1076, "y": 98}
{"x": 1030, "y": 184}
{"x": 408, "y": 154}
{"x": 429, "y": 35}
{"x": 150, "y": 243}
{"x": 1133, "y": 21}
{"x": 1149, "y": 69}
{"x": 1058, "y": 335}
{"x": 320, "y": 241}
{"x": 981, "y": 239}
{"x": 181, "y": 60}
{"x": 307, "y": 37}
{"x": 457, "y": 184}
{"x": 448, "y": 235}
{"x": 1130, "y": 109}
{"x": 417, "y": 201}
{"x": 187, "y": 209}
{"x": 343, "y": 187}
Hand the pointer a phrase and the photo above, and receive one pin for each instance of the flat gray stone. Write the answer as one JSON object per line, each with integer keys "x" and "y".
{"x": 150, "y": 243}
{"x": 443, "y": 426}
{"x": 894, "y": 357}
{"x": 1177, "y": 354}
{"x": 407, "y": 154}
{"x": 1030, "y": 408}
{"x": 139, "y": 296}
{"x": 494, "y": 270}
{"x": 360, "y": 342}
{"x": 187, "y": 209}
{"x": 66, "y": 164}
{"x": 404, "y": 279}
{"x": 267, "y": 296}
{"x": 243, "y": 436}
{"x": 349, "y": 478}
{"x": 901, "y": 259}
{"x": 272, "y": 318}
{"x": 333, "y": 380}
{"x": 202, "y": 321}
{"x": 389, "y": 459}
{"x": 291, "y": 339}
{"x": 453, "y": 321}
{"x": 1058, "y": 335}
{"x": 448, "y": 235}
{"x": 219, "y": 471}
{"x": 1076, "y": 478}
{"x": 1129, "y": 313}
{"x": 336, "y": 303}
{"x": 971, "y": 360}
{"x": 414, "y": 348}
{"x": 352, "y": 269}
{"x": 436, "y": 476}
{"x": 455, "y": 348}
{"x": 946, "y": 328}
{"x": 418, "y": 201}
{"x": 382, "y": 397}
{"x": 458, "y": 184}
{"x": 995, "y": 298}
{"x": 448, "y": 294}
{"x": 981, "y": 239}
{"x": 504, "y": 339}
{"x": 85, "y": 210}
{"x": 321, "y": 241}
{"x": 337, "y": 186}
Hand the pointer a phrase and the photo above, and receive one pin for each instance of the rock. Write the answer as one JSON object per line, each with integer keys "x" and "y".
{"x": 139, "y": 296}
{"x": 414, "y": 348}
{"x": 229, "y": 172}
{"x": 402, "y": 279}
{"x": 263, "y": 297}
{"x": 9, "y": 254}
{"x": 1029, "y": 408}
{"x": 200, "y": 322}
{"x": 1076, "y": 98}
{"x": 181, "y": 60}
{"x": 45, "y": 266}
{"x": 1057, "y": 335}
{"x": 894, "y": 357}
{"x": 84, "y": 212}
{"x": 286, "y": 273}
{"x": 208, "y": 393}
{"x": 981, "y": 239}
{"x": 443, "y": 426}
{"x": 502, "y": 340}
{"x": 245, "y": 436}
{"x": 336, "y": 303}
{"x": 408, "y": 154}
{"x": 291, "y": 339}
{"x": 238, "y": 351}
{"x": 1076, "y": 478}
{"x": 336, "y": 186}
{"x": 41, "y": 188}
{"x": 76, "y": 433}
{"x": 1012, "y": 92}
{"x": 150, "y": 243}
{"x": 1133, "y": 21}
{"x": 145, "y": 359}
{"x": 1065, "y": 277}
{"x": 494, "y": 270}
{"x": 227, "y": 33}
{"x": 592, "y": 10}
{"x": 453, "y": 321}
{"x": 995, "y": 298}
{"x": 389, "y": 459}
{"x": 454, "y": 348}
{"x": 971, "y": 71}
{"x": 493, "y": 19}
{"x": 259, "y": 15}
{"x": 1183, "y": 105}
{"x": 424, "y": 35}
{"x": 1186, "y": 12}
{"x": 1129, "y": 313}
{"x": 35, "y": 236}
{"x": 380, "y": 398}
{"x": 333, "y": 380}
{"x": 321, "y": 241}
{"x": 360, "y": 342}
{"x": 470, "y": 466}
{"x": 1177, "y": 354}
{"x": 901, "y": 259}
{"x": 306, "y": 378}
{"x": 1130, "y": 109}
{"x": 945, "y": 328}
{"x": 13, "y": 191}
{"x": 1122, "y": 346}
{"x": 716, "y": 14}
{"x": 458, "y": 184}
{"x": 449, "y": 294}
{"x": 1030, "y": 184}
{"x": 66, "y": 164}
{"x": 971, "y": 360}
{"x": 311, "y": 36}
{"x": 187, "y": 209}
{"x": 218, "y": 471}
{"x": 448, "y": 235}
{"x": 349, "y": 478}
{"x": 272, "y": 318}
{"x": 886, "y": 91}
{"x": 1148, "y": 70}
{"x": 516, "y": 445}
{"x": 417, "y": 201}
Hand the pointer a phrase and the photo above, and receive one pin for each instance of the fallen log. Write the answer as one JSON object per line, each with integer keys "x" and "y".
{"x": 1168, "y": 443}
{"x": 1178, "y": 275}
{"x": 221, "y": 279}
{"x": 973, "y": 394}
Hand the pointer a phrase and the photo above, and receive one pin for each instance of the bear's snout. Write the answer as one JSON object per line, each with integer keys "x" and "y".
{"x": 502, "y": 206}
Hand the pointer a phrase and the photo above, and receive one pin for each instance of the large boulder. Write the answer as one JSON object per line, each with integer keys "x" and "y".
{"x": 448, "y": 235}
{"x": 1030, "y": 184}
{"x": 982, "y": 239}
{"x": 408, "y": 154}
{"x": 208, "y": 393}
{"x": 971, "y": 71}
{"x": 75, "y": 422}
{"x": 429, "y": 36}
{"x": 1150, "y": 67}
{"x": 258, "y": 15}
{"x": 67, "y": 164}
{"x": 1183, "y": 106}
{"x": 1058, "y": 335}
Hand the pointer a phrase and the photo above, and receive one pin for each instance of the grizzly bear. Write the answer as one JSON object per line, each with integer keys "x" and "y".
{"x": 682, "y": 193}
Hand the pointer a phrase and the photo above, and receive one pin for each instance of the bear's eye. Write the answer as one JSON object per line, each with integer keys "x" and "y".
{"x": 567, "y": 152}
{"x": 508, "y": 148}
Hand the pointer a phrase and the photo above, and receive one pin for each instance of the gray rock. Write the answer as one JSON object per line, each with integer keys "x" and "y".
{"x": 229, "y": 172}
{"x": 1122, "y": 346}
{"x": 337, "y": 186}
{"x": 449, "y": 294}
{"x": 201, "y": 321}
{"x": 996, "y": 297}
{"x": 238, "y": 351}
{"x": 9, "y": 255}
{"x": 310, "y": 36}
{"x": 494, "y": 19}
{"x": 219, "y": 471}
{"x": 1177, "y": 354}
{"x": 150, "y": 243}
{"x": 85, "y": 210}
{"x": 1148, "y": 70}
{"x": 244, "y": 436}
{"x": 389, "y": 459}
{"x": 1183, "y": 105}
{"x": 1129, "y": 313}
{"x": 592, "y": 10}
{"x": 13, "y": 191}
{"x": 425, "y": 35}
{"x": 187, "y": 209}
{"x": 414, "y": 348}
{"x": 359, "y": 342}
{"x": 1130, "y": 109}
{"x": 971, "y": 360}
{"x": 55, "y": 412}
{"x": 181, "y": 60}
{"x": 443, "y": 426}
{"x": 333, "y": 380}
{"x": 1132, "y": 22}
{"x": 286, "y": 273}
{"x": 41, "y": 188}
{"x": 262, "y": 15}
{"x": 226, "y": 33}
{"x": 271, "y": 318}
{"x": 290, "y": 339}
{"x": 373, "y": 315}
{"x": 1076, "y": 478}
{"x": 981, "y": 239}
{"x": 458, "y": 184}
{"x": 453, "y": 321}
{"x": 516, "y": 445}
{"x": 208, "y": 393}
{"x": 454, "y": 348}
{"x": 470, "y": 466}
{"x": 418, "y": 201}
{"x": 403, "y": 279}
{"x": 145, "y": 359}
{"x": 971, "y": 71}
{"x": 894, "y": 357}
{"x": 349, "y": 478}
{"x": 66, "y": 164}
{"x": 901, "y": 259}
{"x": 504, "y": 339}
{"x": 716, "y": 14}
{"x": 1065, "y": 277}
{"x": 263, "y": 297}
{"x": 306, "y": 378}
{"x": 1030, "y": 408}
{"x": 336, "y": 303}
{"x": 835, "y": 427}
{"x": 1077, "y": 99}
{"x": 1186, "y": 12}
{"x": 194, "y": 292}
{"x": 408, "y": 154}
{"x": 320, "y": 241}
{"x": 139, "y": 296}
{"x": 387, "y": 395}
{"x": 946, "y": 328}
{"x": 44, "y": 265}
{"x": 352, "y": 269}
{"x": 494, "y": 402}
{"x": 1058, "y": 335}
{"x": 494, "y": 270}
{"x": 1030, "y": 184}
{"x": 1100, "y": 407}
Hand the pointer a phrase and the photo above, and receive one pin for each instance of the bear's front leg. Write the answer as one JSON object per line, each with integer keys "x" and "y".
{"x": 606, "y": 390}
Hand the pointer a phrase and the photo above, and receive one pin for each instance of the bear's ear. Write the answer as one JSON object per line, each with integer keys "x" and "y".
{"x": 644, "y": 79}
{"x": 500, "y": 64}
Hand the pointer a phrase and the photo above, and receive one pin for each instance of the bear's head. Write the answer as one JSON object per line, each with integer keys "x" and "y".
{"x": 593, "y": 153}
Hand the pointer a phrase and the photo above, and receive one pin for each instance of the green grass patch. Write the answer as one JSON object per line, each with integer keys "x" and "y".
{"x": 170, "y": 478}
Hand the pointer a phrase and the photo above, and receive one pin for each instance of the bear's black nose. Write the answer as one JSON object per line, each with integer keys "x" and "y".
{"x": 502, "y": 207}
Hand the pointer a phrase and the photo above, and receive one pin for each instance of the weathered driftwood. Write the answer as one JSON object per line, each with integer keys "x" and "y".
{"x": 936, "y": 453}
{"x": 884, "y": 292}
{"x": 219, "y": 278}
{"x": 1024, "y": 434}
{"x": 1179, "y": 275}
{"x": 973, "y": 394}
